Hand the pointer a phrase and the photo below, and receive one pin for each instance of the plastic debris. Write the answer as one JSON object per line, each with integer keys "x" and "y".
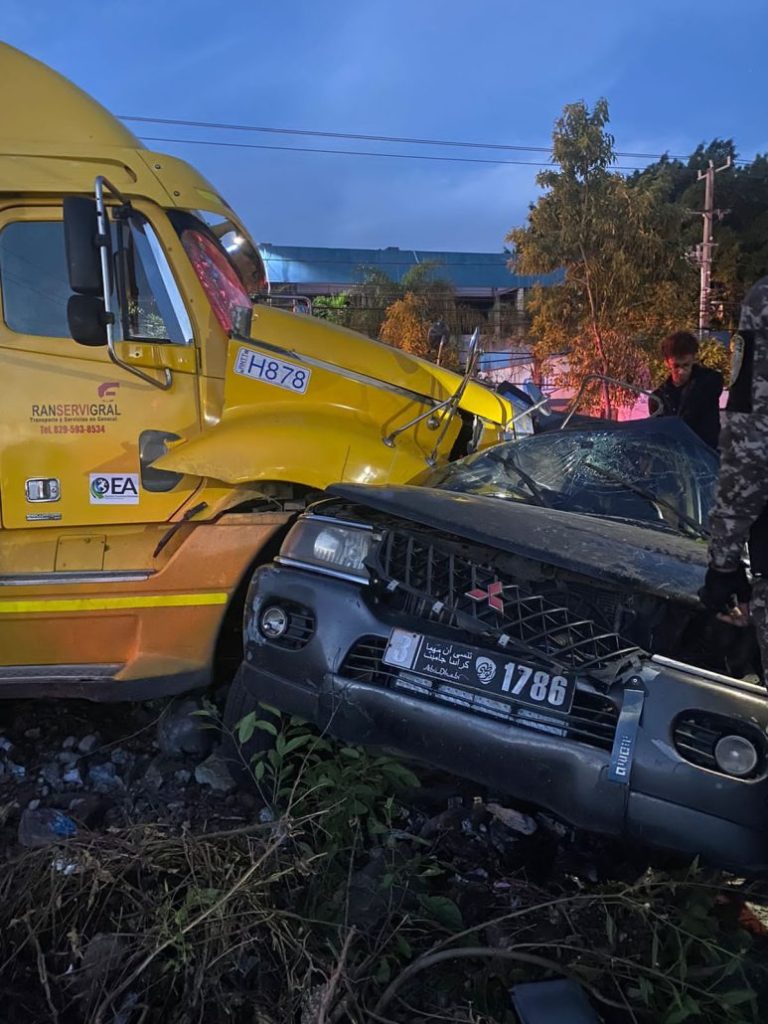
{"x": 44, "y": 825}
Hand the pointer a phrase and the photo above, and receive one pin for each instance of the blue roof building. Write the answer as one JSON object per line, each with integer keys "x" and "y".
{"x": 317, "y": 270}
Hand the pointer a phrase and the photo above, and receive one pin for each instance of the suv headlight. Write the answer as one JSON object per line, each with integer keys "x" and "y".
{"x": 337, "y": 548}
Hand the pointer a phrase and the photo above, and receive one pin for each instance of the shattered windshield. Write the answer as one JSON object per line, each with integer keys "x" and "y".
{"x": 651, "y": 471}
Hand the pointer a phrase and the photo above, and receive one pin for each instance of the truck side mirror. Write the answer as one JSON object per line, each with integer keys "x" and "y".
{"x": 81, "y": 240}
{"x": 87, "y": 319}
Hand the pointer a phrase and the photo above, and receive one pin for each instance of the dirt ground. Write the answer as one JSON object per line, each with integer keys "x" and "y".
{"x": 141, "y": 884}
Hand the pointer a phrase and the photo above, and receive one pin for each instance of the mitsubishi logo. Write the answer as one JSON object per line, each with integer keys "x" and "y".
{"x": 492, "y": 595}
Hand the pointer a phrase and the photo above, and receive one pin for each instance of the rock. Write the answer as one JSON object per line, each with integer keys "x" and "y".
{"x": 88, "y": 809}
{"x": 50, "y": 773}
{"x": 72, "y": 777}
{"x": 515, "y": 820}
{"x": 183, "y": 776}
{"x": 120, "y": 757}
{"x": 266, "y": 816}
{"x": 68, "y": 757}
{"x": 44, "y": 825}
{"x": 153, "y": 776}
{"x": 69, "y": 743}
{"x": 33, "y": 805}
{"x": 5, "y": 744}
{"x": 104, "y": 778}
{"x": 181, "y": 731}
{"x": 214, "y": 772}
{"x": 88, "y": 743}
{"x": 18, "y": 771}
{"x": 367, "y": 899}
{"x": 33, "y": 734}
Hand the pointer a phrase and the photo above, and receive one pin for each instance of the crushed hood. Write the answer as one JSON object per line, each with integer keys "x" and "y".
{"x": 636, "y": 557}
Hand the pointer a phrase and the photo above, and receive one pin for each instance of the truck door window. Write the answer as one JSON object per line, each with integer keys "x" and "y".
{"x": 33, "y": 278}
{"x": 152, "y": 307}
{"x": 35, "y": 286}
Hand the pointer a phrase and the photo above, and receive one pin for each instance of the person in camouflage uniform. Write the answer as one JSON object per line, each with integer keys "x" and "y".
{"x": 740, "y": 514}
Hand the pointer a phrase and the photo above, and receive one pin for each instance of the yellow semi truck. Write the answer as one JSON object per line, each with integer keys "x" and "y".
{"x": 157, "y": 424}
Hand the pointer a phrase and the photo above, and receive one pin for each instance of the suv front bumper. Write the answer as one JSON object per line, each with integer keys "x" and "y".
{"x": 665, "y": 800}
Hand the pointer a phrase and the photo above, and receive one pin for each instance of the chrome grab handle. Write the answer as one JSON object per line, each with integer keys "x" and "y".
{"x": 106, "y": 277}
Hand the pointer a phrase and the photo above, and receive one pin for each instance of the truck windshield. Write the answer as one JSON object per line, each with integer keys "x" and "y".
{"x": 227, "y": 265}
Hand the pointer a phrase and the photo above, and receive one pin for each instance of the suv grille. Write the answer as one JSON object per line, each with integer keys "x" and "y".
{"x": 592, "y": 719}
{"x": 434, "y": 581}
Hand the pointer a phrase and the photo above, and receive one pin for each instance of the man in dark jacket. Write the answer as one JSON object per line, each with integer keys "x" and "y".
{"x": 740, "y": 515}
{"x": 691, "y": 391}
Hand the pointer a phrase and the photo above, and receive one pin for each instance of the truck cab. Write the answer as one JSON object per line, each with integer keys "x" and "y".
{"x": 159, "y": 426}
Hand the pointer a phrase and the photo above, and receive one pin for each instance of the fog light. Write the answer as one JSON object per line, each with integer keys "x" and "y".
{"x": 274, "y": 622}
{"x": 735, "y": 755}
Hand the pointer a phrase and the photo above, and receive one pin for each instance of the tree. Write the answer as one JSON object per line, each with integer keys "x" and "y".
{"x": 617, "y": 243}
{"x": 741, "y": 231}
{"x": 331, "y": 307}
{"x": 406, "y": 325}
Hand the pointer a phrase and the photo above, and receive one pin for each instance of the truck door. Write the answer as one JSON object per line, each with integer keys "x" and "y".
{"x": 77, "y": 432}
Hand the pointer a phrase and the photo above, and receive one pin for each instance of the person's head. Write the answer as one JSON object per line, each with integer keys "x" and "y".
{"x": 679, "y": 352}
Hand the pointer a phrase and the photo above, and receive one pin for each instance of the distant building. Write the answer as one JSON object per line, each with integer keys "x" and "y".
{"x": 482, "y": 280}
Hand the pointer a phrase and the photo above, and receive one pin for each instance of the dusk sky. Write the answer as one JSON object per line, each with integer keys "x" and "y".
{"x": 675, "y": 72}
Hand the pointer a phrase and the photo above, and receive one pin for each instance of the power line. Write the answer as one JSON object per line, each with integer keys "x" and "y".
{"x": 507, "y": 147}
{"x": 355, "y": 152}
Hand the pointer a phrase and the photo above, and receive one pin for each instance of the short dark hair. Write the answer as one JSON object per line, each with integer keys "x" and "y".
{"x": 681, "y": 343}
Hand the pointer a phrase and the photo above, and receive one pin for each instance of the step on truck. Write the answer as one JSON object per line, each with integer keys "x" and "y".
{"x": 158, "y": 425}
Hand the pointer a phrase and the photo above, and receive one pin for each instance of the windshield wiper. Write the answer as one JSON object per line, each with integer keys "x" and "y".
{"x": 509, "y": 462}
{"x": 692, "y": 525}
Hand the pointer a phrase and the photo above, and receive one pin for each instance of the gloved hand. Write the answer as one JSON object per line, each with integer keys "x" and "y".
{"x": 722, "y": 587}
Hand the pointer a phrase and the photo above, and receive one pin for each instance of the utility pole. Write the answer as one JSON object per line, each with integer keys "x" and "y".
{"x": 705, "y": 250}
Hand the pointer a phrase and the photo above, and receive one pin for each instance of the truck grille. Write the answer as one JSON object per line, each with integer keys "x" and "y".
{"x": 434, "y": 581}
{"x": 592, "y": 719}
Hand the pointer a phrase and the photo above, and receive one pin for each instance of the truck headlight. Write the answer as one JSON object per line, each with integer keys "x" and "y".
{"x": 736, "y": 755}
{"x": 339, "y": 548}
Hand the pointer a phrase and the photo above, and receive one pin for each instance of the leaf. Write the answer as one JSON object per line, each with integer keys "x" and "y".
{"x": 270, "y": 709}
{"x": 736, "y": 997}
{"x": 246, "y": 726}
{"x": 259, "y": 769}
{"x": 351, "y": 753}
{"x": 265, "y": 726}
{"x": 443, "y": 910}
{"x": 383, "y": 972}
{"x": 686, "y": 1009}
{"x": 296, "y": 743}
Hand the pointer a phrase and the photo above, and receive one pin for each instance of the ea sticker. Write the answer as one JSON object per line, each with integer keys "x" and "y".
{"x": 485, "y": 669}
{"x": 114, "y": 488}
{"x": 737, "y": 356}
